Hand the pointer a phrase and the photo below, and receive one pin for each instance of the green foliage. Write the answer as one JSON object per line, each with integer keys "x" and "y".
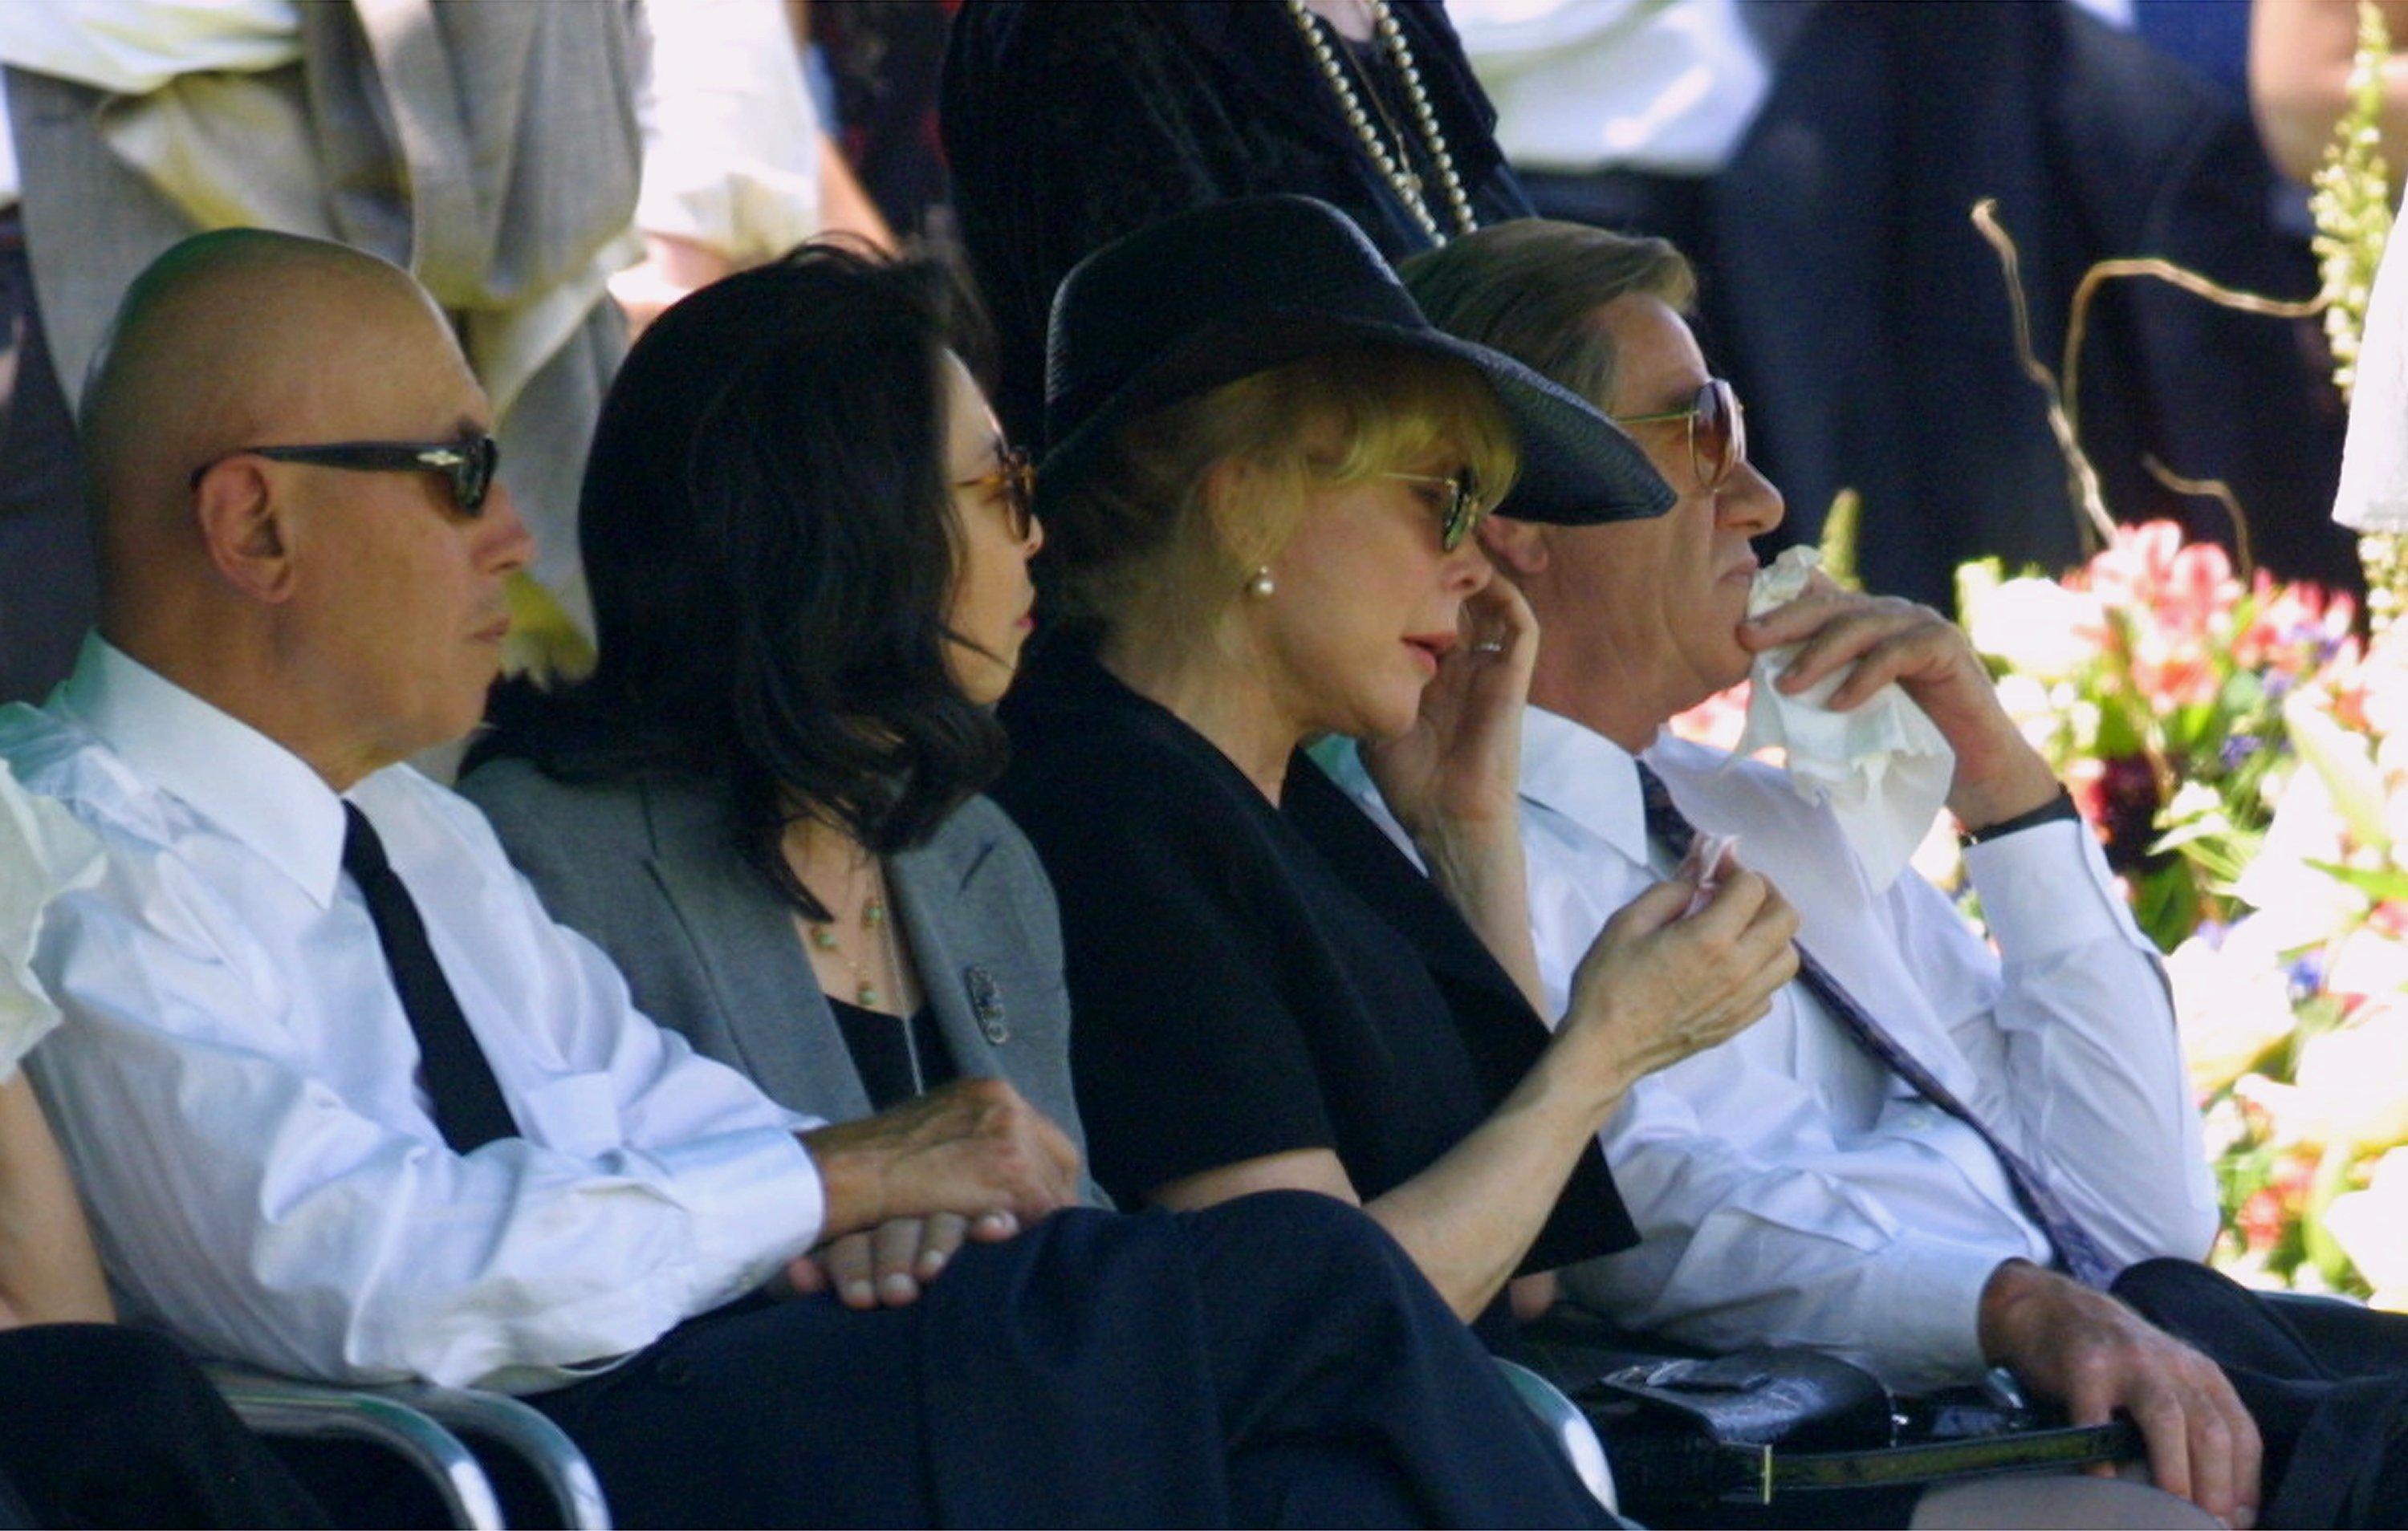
{"x": 2351, "y": 199}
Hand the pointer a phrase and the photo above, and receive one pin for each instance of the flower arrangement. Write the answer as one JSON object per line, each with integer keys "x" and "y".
{"x": 2155, "y": 680}
{"x": 2245, "y": 761}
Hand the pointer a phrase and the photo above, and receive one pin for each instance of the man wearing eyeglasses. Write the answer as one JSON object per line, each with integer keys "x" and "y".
{"x": 1930, "y": 1157}
{"x": 346, "y": 1103}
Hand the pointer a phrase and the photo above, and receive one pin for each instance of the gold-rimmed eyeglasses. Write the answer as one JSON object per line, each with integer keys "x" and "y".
{"x": 1717, "y": 432}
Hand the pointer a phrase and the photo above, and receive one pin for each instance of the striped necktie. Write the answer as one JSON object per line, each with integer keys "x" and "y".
{"x": 2076, "y": 1250}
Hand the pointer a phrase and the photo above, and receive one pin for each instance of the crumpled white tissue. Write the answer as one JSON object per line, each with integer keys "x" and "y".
{"x": 43, "y": 851}
{"x": 1882, "y": 765}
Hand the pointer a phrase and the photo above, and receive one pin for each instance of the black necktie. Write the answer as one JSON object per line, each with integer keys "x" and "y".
{"x": 469, "y": 1106}
{"x": 2079, "y": 1252}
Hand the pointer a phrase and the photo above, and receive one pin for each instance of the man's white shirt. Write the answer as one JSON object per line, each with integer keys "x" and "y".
{"x": 1790, "y": 1190}
{"x": 235, "y": 1077}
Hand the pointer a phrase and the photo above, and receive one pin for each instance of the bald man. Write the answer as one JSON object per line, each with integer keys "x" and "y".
{"x": 296, "y": 1160}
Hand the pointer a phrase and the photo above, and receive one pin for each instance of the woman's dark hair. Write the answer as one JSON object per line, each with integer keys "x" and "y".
{"x": 768, "y": 538}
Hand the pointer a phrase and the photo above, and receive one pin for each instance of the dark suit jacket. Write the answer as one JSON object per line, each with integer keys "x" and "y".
{"x": 1867, "y": 324}
{"x": 646, "y": 871}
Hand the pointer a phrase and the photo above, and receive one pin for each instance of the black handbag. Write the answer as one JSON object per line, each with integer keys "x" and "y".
{"x": 1789, "y": 1430}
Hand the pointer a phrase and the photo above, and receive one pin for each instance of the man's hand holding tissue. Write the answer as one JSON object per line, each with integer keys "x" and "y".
{"x": 1872, "y": 640}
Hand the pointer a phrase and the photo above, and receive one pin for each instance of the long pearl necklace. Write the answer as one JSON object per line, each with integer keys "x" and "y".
{"x": 1393, "y": 167}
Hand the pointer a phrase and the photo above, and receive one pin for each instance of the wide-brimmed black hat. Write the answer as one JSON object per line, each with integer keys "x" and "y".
{"x": 1224, "y": 292}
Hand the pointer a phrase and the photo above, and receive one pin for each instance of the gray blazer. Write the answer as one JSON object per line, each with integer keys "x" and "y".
{"x": 646, "y": 872}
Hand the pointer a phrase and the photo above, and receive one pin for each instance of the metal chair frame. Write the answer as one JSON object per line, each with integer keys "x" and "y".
{"x": 422, "y": 1424}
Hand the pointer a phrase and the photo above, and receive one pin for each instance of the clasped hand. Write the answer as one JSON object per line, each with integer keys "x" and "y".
{"x": 970, "y": 1160}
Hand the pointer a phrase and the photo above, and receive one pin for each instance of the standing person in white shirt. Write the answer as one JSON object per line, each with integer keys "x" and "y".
{"x": 492, "y": 149}
{"x": 289, "y": 1155}
{"x": 1788, "y": 1188}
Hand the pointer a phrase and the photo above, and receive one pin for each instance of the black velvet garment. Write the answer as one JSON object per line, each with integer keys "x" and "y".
{"x": 1069, "y": 125}
{"x": 1249, "y": 980}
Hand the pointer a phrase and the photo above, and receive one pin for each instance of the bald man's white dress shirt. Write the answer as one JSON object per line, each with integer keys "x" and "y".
{"x": 234, "y": 1081}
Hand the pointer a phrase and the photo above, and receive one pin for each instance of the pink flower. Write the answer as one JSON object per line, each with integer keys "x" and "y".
{"x": 2150, "y": 568}
{"x": 2261, "y": 1218}
{"x": 2169, "y": 611}
{"x": 2295, "y": 630}
{"x": 1718, "y": 721}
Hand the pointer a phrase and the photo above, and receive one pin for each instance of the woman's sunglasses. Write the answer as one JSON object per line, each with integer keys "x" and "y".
{"x": 1717, "y": 432}
{"x": 1013, "y": 478}
{"x": 1463, "y": 508}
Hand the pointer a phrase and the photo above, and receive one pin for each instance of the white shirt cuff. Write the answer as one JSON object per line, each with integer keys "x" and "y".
{"x": 2033, "y": 907}
{"x": 748, "y": 1192}
{"x": 1928, "y": 1296}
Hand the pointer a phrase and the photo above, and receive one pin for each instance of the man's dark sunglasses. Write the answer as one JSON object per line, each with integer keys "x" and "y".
{"x": 468, "y": 465}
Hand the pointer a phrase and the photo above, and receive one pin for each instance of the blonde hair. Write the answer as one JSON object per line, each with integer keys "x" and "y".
{"x": 1141, "y": 532}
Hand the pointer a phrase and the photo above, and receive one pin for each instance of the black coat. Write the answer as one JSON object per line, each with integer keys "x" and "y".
{"x": 1068, "y": 125}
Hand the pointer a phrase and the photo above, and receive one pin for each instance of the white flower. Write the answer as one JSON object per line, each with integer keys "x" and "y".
{"x": 2197, "y": 800}
{"x": 2026, "y": 697}
{"x": 2299, "y": 905}
{"x": 2342, "y": 761}
{"x": 2232, "y": 1003}
{"x": 2371, "y": 1226}
{"x": 2349, "y": 1079}
{"x": 2368, "y": 962}
{"x": 2383, "y": 679}
{"x": 43, "y": 851}
{"x": 2037, "y": 626}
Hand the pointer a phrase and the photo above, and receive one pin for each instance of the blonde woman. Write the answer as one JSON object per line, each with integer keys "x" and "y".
{"x": 1263, "y": 473}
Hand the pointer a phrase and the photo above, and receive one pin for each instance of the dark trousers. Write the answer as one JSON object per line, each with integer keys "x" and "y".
{"x": 1273, "y": 1361}
{"x": 101, "y": 1425}
{"x": 2327, "y": 1382}
{"x": 48, "y": 579}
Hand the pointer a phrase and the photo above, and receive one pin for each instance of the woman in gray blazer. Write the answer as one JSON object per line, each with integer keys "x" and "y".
{"x": 809, "y": 551}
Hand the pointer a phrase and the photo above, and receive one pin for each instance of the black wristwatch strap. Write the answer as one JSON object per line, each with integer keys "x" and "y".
{"x": 2058, "y": 808}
